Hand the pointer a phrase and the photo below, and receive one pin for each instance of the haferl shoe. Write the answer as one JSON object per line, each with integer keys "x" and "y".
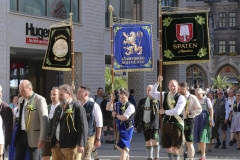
{"x": 224, "y": 146}
{"x": 217, "y": 145}
{"x": 230, "y": 142}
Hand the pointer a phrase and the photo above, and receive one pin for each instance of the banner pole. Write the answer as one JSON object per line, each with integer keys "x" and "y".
{"x": 111, "y": 9}
{"x": 160, "y": 61}
{"x": 72, "y": 48}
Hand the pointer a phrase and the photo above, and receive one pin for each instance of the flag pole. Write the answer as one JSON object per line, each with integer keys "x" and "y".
{"x": 111, "y": 9}
{"x": 72, "y": 48}
{"x": 160, "y": 60}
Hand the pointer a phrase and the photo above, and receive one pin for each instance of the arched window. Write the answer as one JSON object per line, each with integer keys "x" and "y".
{"x": 195, "y": 77}
{"x": 230, "y": 73}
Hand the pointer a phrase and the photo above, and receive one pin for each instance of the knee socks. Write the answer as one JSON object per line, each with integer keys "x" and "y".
{"x": 169, "y": 156}
{"x": 149, "y": 151}
{"x": 175, "y": 157}
{"x": 156, "y": 151}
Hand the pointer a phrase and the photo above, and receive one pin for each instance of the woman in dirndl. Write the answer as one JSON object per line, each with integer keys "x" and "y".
{"x": 203, "y": 122}
{"x": 235, "y": 128}
{"x": 214, "y": 131}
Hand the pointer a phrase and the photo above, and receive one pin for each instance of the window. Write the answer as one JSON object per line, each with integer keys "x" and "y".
{"x": 170, "y": 3}
{"x": 50, "y": 8}
{"x": 129, "y": 9}
{"x": 232, "y": 46}
{"x": 221, "y": 46}
{"x": 232, "y": 19}
{"x": 221, "y": 20}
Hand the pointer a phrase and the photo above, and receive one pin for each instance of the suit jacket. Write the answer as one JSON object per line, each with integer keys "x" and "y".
{"x": 38, "y": 126}
{"x": 154, "y": 118}
{"x": 72, "y": 139}
{"x": 7, "y": 117}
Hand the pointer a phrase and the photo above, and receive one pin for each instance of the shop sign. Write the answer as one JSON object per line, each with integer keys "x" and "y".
{"x": 37, "y": 32}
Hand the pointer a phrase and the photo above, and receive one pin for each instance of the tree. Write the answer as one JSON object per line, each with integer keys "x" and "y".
{"x": 220, "y": 82}
{"x": 119, "y": 81}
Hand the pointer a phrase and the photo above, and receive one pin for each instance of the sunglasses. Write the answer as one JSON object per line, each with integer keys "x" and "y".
{"x": 219, "y": 93}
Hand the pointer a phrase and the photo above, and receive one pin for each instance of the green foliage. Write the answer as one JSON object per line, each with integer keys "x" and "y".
{"x": 115, "y": 30}
{"x": 167, "y": 21}
{"x": 202, "y": 52}
{"x": 220, "y": 82}
{"x": 48, "y": 62}
{"x": 200, "y": 20}
{"x": 147, "y": 28}
{"x": 119, "y": 81}
{"x": 168, "y": 54}
{"x": 149, "y": 63}
{"x": 68, "y": 63}
{"x": 116, "y": 64}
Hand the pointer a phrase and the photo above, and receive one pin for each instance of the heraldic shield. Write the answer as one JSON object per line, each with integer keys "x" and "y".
{"x": 184, "y": 32}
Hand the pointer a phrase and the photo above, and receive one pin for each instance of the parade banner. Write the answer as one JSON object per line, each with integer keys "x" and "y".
{"x": 58, "y": 54}
{"x": 185, "y": 38}
{"x": 132, "y": 45}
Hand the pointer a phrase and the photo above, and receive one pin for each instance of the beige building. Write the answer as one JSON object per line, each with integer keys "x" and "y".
{"x": 224, "y": 23}
{"x": 24, "y": 27}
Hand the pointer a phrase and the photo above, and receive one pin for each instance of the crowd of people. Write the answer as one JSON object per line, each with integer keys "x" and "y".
{"x": 73, "y": 126}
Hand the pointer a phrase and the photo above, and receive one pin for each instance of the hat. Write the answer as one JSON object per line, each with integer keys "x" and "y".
{"x": 105, "y": 95}
{"x": 200, "y": 91}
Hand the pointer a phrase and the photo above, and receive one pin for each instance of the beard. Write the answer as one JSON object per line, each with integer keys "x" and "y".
{"x": 63, "y": 101}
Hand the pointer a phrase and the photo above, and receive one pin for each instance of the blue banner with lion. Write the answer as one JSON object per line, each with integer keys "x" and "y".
{"x": 132, "y": 45}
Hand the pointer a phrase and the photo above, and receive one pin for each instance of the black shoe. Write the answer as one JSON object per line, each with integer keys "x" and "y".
{"x": 230, "y": 142}
{"x": 106, "y": 141}
{"x": 234, "y": 140}
{"x": 111, "y": 141}
{"x": 224, "y": 146}
{"x": 217, "y": 144}
{"x": 185, "y": 155}
{"x": 238, "y": 148}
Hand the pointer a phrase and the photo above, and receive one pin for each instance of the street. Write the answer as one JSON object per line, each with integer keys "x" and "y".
{"x": 138, "y": 151}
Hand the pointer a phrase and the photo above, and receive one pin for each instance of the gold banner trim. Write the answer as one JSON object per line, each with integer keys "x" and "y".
{"x": 134, "y": 70}
{"x": 56, "y": 69}
{"x": 186, "y": 62}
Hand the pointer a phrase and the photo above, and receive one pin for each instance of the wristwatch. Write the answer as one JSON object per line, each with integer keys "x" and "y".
{"x": 97, "y": 139}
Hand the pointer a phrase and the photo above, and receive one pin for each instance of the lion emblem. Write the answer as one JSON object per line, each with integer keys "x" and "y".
{"x": 130, "y": 40}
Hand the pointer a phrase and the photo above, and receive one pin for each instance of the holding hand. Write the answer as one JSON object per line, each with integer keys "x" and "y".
{"x": 162, "y": 111}
{"x": 114, "y": 114}
{"x": 160, "y": 78}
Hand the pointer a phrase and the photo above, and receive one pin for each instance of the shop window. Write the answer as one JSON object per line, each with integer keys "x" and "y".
{"x": 129, "y": 9}
{"x": 51, "y": 8}
{"x": 195, "y": 77}
{"x": 35, "y": 7}
{"x": 232, "y": 19}
{"x": 232, "y": 46}
{"x": 221, "y": 46}
{"x": 221, "y": 20}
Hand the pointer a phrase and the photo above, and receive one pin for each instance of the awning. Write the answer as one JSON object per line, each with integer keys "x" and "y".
{"x": 232, "y": 80}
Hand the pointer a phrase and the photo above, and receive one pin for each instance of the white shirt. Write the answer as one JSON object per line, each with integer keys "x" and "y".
{"x": 58, "y": 128}
{"x": 177, "y": 110}
{"x": 230, "y": 102}
{"x": 53, "y": 107}
{"x": 1, "y": 131}
{"x": 23, "y": 123}
{"x": 128, "y": 112}
{"x": 97, "y": 113}
{"x": 209, "y": 103}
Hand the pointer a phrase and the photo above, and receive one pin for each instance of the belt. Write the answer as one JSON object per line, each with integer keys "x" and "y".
{"x": 147, "y": 108}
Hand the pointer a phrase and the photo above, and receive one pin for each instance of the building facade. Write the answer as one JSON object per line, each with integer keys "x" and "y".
{"x": 224, "y": 27}
{"x": 24, "y": 27}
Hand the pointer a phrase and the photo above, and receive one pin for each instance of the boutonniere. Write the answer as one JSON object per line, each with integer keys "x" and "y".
{"x": 69, "y": 112}
{"x": 235, "y": 105}
{"x": 123, "y": 108}
{"x": 155, "y": 101}
{"x": 30, "y": 109}
{"x": 173, "y": 102}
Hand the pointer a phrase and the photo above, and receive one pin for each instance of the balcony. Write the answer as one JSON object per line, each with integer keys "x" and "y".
{"x": 225, "y": 54}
